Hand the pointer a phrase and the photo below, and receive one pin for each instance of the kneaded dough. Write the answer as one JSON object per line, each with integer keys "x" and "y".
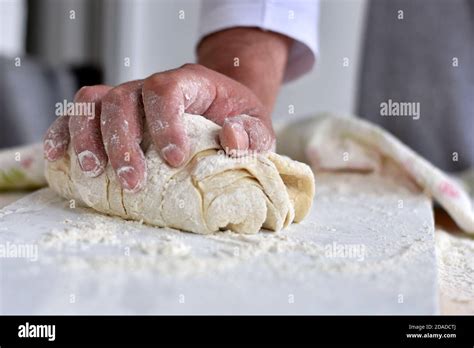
{"x": 211, "y": 192}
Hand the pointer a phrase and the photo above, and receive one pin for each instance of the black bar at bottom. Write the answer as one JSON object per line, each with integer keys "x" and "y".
{"x": 134, "y": 330}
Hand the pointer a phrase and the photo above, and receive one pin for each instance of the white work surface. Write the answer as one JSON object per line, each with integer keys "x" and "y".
{"x": 94, "y": 264}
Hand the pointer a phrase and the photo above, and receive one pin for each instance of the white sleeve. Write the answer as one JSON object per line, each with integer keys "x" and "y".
{"x": 297, "y": 19}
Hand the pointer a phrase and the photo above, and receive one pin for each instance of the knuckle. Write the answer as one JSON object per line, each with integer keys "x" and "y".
{"x": 162, "y": 82}
{"x": 125, "y": 94}
{"x": 86, "y": 93}
{"x": 116, "y": 95}
{"x": 189, "y": 66}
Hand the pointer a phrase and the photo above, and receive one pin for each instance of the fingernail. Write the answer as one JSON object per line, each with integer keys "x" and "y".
{"x": 173, "y": 154}
{"x": 240, "y": 135}
{"x": 89, "y": 163}
{"x": 129, "y": 179}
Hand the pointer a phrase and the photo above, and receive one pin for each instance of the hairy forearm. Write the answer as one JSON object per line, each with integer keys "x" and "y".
{"x": 251, "y": 56}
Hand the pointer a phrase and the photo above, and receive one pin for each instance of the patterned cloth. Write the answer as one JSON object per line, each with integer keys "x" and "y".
{"x": 332, "y": 143}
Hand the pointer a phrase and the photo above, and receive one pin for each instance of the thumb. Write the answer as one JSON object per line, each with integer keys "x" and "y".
{"x": 242, "y": 134}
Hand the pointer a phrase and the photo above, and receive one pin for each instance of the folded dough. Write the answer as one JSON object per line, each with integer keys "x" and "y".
{"x": 211, "y": 192}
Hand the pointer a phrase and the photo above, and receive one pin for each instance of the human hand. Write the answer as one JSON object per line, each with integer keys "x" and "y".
{"x": 115, "y": 132}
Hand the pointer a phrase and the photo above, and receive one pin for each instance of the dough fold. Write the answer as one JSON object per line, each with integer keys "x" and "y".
{"x": 211, "y": 192}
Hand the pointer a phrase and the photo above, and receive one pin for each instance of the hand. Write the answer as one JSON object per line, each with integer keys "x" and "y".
{"x": 115, "y": 132}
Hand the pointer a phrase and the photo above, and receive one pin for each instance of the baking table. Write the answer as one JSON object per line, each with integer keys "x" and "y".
{"x": 367, "y": 247}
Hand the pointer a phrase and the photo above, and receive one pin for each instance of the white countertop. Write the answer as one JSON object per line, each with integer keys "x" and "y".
{"x": 360, "y": 251}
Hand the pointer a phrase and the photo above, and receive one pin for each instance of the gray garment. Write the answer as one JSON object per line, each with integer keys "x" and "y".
{"x": 411, "y": 60}
{"x": 28, "y": 95}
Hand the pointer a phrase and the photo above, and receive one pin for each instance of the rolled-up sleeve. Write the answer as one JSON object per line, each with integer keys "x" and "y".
{"x": 297, "y": 19}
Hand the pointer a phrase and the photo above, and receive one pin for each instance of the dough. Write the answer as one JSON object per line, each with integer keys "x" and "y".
{"x": 211, "y": 192}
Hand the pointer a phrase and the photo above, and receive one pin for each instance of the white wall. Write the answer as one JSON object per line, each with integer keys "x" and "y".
{"x": 150, "y": 33}
{"x": 330, "y": 86}
{"x": 12, "y": 28}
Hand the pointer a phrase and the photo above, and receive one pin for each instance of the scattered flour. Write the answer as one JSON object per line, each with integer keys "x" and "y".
{"x": 130, "y": 246}
{"x": 455, "y": 272}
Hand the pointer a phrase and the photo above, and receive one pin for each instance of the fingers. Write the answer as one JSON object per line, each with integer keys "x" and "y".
{"x": 56, "y": 140}
{"x": 164, "y": 107}
{"x": 84, "y": 129}
{"x": 233, "y": 137}
{"x": 198, "y": 90}
{"x": 243, "y": 133}
{"x": 166, "y": 96}
{"x": 122, "y": 129}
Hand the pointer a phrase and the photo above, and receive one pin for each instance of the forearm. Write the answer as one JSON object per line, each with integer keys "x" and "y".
{"x": 251, "y": 56}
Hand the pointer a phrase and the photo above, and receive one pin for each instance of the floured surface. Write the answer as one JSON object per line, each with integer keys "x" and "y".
{"x": 456, "y": 272}
{"x": 89, "y": 263}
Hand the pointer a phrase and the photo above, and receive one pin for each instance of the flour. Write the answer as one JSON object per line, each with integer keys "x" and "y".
{"x": 456, "y": 272}
{"x": 166, "y": 251}
{"x": 108, "y": 244}
{"x": 131, "y": 246}
{"x": 94, "y": 231}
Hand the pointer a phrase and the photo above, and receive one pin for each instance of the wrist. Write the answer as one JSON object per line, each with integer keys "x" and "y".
{"x": 253, "y": 57}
